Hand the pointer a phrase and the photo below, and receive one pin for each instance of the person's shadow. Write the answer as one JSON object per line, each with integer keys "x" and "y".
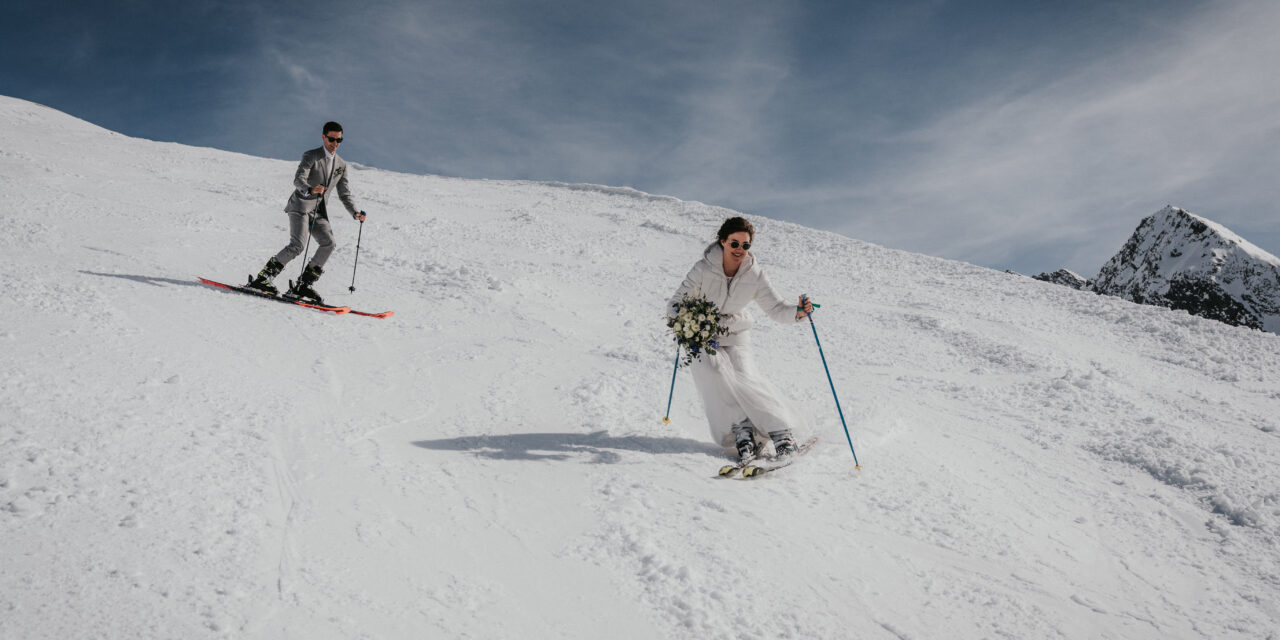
{"x": 153, "y": 281}
{"x": 600, "y": 446}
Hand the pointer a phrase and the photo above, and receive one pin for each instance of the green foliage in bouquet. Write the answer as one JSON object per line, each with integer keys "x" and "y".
{"x": 696, "y": 327}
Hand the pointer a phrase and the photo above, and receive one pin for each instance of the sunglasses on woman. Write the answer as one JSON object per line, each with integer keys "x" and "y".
{"x": 746, "y": 246}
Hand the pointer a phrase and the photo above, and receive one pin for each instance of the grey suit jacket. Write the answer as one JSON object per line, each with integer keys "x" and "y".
{"x": 311, "y": 172}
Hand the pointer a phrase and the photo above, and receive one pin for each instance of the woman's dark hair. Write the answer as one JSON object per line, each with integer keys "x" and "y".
{"x": 734, "y": 225}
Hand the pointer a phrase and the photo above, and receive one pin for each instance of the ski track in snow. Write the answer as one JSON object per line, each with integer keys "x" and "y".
{"x": 177, "y": 461}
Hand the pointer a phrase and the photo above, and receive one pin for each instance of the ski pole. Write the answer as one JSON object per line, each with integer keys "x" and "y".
{"x": 311, "y": 225}
{"x": 805, "y": 298}
{"x": 667, "y": 418}
{"x": 359, "y": 235}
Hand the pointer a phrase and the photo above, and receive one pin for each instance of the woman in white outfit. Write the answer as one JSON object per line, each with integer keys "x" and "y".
{"x": 745, "y": 412}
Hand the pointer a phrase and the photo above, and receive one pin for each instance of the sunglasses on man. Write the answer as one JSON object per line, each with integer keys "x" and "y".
{"x": 333, "y": 139}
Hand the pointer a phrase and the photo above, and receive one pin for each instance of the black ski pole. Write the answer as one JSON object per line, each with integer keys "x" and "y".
{"x": 311, "y": 226}
{"x": 359, "y": 235}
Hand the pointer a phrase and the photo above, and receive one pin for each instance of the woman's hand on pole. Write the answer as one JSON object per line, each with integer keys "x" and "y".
{"x": 804, "y": 308}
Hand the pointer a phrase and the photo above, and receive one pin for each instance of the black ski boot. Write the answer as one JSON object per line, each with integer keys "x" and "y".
{"x": 303, "y": 290}
{"x": 784, "y": 444}
{"x": 745, "y": 439}
{"x": 263, "y": 281}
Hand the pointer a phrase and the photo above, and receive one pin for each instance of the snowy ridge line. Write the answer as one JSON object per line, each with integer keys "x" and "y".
{"x": 1250, "y": 248}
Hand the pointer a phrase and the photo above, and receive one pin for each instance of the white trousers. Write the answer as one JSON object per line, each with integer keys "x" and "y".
{"x": 733, "y": 390}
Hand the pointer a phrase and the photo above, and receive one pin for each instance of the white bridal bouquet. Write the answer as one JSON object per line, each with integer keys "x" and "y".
{"x": 696, "y": 327}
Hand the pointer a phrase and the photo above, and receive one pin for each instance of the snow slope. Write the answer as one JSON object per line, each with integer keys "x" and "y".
{"x": 180, "y": 462}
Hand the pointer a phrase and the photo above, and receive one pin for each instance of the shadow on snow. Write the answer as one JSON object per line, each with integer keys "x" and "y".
{"x": 602, "y": 447}
{"x": 153, "y": 281}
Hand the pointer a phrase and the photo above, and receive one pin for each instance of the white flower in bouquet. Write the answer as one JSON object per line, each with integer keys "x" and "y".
{"x": 696, "y": 327}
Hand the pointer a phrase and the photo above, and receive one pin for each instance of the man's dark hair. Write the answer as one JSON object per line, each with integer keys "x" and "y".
{"x": 330, "y": 127}
{"x": 734, "y": 225}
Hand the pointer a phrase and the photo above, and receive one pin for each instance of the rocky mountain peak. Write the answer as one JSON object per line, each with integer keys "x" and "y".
{"x": 1179, "y": 260}
{"x": 1066, "y": 278}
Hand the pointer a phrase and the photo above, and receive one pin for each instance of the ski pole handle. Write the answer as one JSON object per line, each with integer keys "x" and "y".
{"x": 804, "y": 297}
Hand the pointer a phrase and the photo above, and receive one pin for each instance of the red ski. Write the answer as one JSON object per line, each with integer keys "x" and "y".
{"x": 260, "y": 294}
{"x": 384, "y": 314}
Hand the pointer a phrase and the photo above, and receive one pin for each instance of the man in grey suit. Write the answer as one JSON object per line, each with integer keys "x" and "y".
{"x": 320, "y": 170}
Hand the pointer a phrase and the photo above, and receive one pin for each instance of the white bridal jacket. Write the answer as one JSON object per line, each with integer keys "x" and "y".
{"x": 732, "y": 295}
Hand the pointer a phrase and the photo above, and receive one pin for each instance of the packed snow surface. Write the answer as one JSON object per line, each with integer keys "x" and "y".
{"x": 181, "y": 462}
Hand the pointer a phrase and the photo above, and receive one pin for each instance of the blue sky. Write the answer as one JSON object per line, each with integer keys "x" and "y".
{"x": 1026, "y": 135}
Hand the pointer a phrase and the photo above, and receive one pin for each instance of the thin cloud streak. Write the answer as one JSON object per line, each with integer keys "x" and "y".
{"x": 1091, "y": 153}
{"x": 650, "y": 98}
{"x": 1024, "y": 136}
{"x": 1038, "y": 164}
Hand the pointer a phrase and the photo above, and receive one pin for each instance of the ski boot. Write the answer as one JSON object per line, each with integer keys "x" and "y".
{"x": 263, "y": 281}
{"x": 303, "y": 290}
{"x": 784, "y": 444}
{"x": 745, "y": 439}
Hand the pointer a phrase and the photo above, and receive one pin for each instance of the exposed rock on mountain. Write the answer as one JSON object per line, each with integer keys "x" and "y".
{"x": 1179, "y": 260}
{"x": 1066, "y": 278}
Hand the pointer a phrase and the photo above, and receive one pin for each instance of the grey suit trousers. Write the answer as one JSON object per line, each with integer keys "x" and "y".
{"x": 298, "y": 231}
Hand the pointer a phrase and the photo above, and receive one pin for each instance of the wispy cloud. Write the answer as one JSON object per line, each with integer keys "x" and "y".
{"x": 914, "y": 125}
{"x": 297, "y": 70}
{"x": 1070, "y": 165}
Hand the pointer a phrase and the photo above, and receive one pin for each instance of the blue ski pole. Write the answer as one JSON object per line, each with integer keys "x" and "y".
{"x": 805, "y": 298}
{"x": 667, "y": 418}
